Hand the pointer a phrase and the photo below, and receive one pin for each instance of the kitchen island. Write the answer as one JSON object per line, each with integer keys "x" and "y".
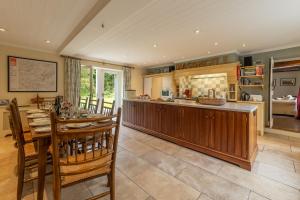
{"x": 227, "y": 132}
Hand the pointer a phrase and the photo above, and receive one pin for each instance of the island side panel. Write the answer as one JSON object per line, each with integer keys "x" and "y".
{"x": 228, "y": 135}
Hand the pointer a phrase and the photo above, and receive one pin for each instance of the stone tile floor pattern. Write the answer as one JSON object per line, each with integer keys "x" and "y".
{"x": 149, "y": 168}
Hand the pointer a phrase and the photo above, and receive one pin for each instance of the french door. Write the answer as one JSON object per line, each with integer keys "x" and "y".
{"x": 109, "y": 85}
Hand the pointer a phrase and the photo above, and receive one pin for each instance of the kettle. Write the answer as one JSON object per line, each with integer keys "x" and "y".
{"x": 245, "y": 96}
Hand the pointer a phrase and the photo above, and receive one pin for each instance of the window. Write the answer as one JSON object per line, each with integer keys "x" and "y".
{"x": 88, "y": 82}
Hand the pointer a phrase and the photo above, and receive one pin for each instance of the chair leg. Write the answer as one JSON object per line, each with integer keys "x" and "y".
{"x": 112, "y": 186}
{"x": 21, "y": 171}
{"x": 108, "y": 180}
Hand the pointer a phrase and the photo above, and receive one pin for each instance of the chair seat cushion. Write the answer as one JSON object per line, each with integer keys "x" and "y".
{"x": 85, "y": 167}
{"x": 30, "y": 150}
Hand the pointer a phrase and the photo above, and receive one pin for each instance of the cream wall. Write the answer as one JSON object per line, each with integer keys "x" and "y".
{"x": 24, "y": 97}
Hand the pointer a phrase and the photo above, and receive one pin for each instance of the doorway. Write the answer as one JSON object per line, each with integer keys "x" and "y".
{"x": 109, "y": 85}
{"x": 285, "y": 83}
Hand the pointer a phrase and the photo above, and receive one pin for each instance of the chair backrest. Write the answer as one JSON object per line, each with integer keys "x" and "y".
{"x": 96, "y": 150}
{"x": 44, "y": 102}
{"x": 93, "y": 105}
{"x": 15, "y": 102}
{"x": 107, "y": 108}
{"x": 17, "y": 130}
{"x": 83, "y": 102}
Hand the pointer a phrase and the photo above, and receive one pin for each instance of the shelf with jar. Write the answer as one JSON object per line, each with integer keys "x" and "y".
{"x": 251, "y": 77}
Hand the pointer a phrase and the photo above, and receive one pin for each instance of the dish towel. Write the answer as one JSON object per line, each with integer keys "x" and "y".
{"x": 298, "y": 105}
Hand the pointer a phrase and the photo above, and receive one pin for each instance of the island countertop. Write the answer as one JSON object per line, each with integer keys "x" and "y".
{"x": 228, "y": 106}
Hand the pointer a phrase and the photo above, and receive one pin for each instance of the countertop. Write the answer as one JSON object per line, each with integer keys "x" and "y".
{"x": 229, "y": 106}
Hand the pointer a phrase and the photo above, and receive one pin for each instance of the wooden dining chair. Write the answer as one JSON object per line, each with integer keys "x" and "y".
{"x": 27, "y": 156}
{"x": 93, "y": 105}
{"x": 83, "y": 102}
{"x": 26, "y": 133}
{"x": 44, "y": 102}
{"x": 98, "y": 158}
{"x": 107, "y": 108}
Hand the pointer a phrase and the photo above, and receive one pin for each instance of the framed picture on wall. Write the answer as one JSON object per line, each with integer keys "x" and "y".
{"x": 31, "y": 75}
{"x": 287, "y": 81}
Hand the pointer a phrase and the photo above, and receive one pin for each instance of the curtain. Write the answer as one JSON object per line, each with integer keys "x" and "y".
{"x": 72, "y": 80}
{"x": 127, "y": 78}
{"x": 298, "y": 105}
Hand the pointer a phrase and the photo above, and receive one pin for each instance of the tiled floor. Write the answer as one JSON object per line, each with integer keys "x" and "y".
{"x": 149, "y": 168}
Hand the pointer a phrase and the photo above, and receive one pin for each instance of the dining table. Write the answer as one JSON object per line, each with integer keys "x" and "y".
{"x": 43, "y": 142}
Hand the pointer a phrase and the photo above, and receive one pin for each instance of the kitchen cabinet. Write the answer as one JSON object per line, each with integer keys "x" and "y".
{"x": 153, "y": 85}
{"x": 228, "y": 135}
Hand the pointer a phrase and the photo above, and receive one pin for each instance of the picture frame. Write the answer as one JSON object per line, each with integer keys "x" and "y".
{"x": 287, "y": 81}
{"x": 43, "y": 72}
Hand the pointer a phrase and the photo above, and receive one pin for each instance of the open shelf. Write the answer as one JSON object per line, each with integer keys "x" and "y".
{"x": 253, "y": 76}
{"x": 251, "y": 85}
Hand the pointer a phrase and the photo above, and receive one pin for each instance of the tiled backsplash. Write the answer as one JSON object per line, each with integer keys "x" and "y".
{"x": 200, "y": 84}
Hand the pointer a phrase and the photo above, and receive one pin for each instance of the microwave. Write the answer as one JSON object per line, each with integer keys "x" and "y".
{"x": 165, "y": 94}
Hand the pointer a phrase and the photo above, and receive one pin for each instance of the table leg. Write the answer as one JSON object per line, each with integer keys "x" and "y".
{"x": 43, "y": 145}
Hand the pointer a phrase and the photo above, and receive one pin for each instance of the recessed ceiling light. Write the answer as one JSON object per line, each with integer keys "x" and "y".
{"x": 183, "y": 57}
{"x": 208, "y": 52}
{"x": 216, "y": 43}
{"x": 164, "y": 56}
{"x": 154, "y": 45}
{"x": 2, "y": 29}
{"x": 244, "y": 45}
{"x": 197, "y": 31}
{"x": 47, "y": 41}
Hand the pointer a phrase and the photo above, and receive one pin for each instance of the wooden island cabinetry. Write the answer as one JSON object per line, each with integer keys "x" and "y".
{"x": 228, "y": 135}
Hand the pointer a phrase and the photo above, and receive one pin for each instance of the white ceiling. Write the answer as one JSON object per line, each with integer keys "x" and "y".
{"x": 129, "y": 35}
{"x": 131, "y": 27}
{"x": 30, "y": 22}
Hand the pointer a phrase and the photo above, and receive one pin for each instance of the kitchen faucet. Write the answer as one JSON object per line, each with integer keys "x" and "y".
{"x": 213, "y": 93}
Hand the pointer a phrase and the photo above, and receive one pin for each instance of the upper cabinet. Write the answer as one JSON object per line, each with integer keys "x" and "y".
{"x": 154, "y": 85}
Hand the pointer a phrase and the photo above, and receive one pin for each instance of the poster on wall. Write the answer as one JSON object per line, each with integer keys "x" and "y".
{"x": 30, "y": 75}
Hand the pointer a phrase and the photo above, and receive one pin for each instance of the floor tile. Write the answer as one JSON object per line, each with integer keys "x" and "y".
{"x": 212, "y": 185}
{"x": 259, "y": 184}
{"x": 162, "y": 186}
{"x": 165, "y": 162}
{"x": 294, "y": 156}
{"x": 255, "y": 196}
{"x": 275, "y": 160}
{"x": 164, "y": 146}
{"x": 289, "y": 178}
{"x": 125, "y": 188}
{"x": 204, "y": 197}
{"x": 130, "y": 165}
{"x": 198, "y": 159}
{"x": 297, "y": 167}
{"x": 134, "y": 146}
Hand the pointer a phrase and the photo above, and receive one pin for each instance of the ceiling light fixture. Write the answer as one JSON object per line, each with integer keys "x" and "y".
{"x": 244, "y": 45}
{"x": 197, "y": 31}
{"x": 208, "y": 52}
{"x": 48, "y": 41}
{"x": 216, "y": 43}
{"x": 2, "y": 29}
{"x": 154, "y": 45}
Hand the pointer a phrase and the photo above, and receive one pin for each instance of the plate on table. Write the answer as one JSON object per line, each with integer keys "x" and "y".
{"x": 98, "y": 116}
{"x": 77, "y": 125}
{"x": 40, "y": 123}
{"x": 34, "y": 111}
{"x": 37, "y": 115}
{"x": 43, "y": 129}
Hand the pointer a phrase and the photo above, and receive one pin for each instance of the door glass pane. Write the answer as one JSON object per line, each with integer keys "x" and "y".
{"x": 109, "y": 87}
{"x": 85, "y": 81}
{"x": 94, "y": 77}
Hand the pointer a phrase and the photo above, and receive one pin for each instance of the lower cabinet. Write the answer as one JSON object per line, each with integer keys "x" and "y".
{"x": 225, "y": 134}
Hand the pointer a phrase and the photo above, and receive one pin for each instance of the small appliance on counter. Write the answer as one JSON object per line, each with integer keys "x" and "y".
{"x": 166, "y": 94}
{"x": 254, "y": 97}
{"x": 130, "y": 94}
{"x": 245, "y": 96}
